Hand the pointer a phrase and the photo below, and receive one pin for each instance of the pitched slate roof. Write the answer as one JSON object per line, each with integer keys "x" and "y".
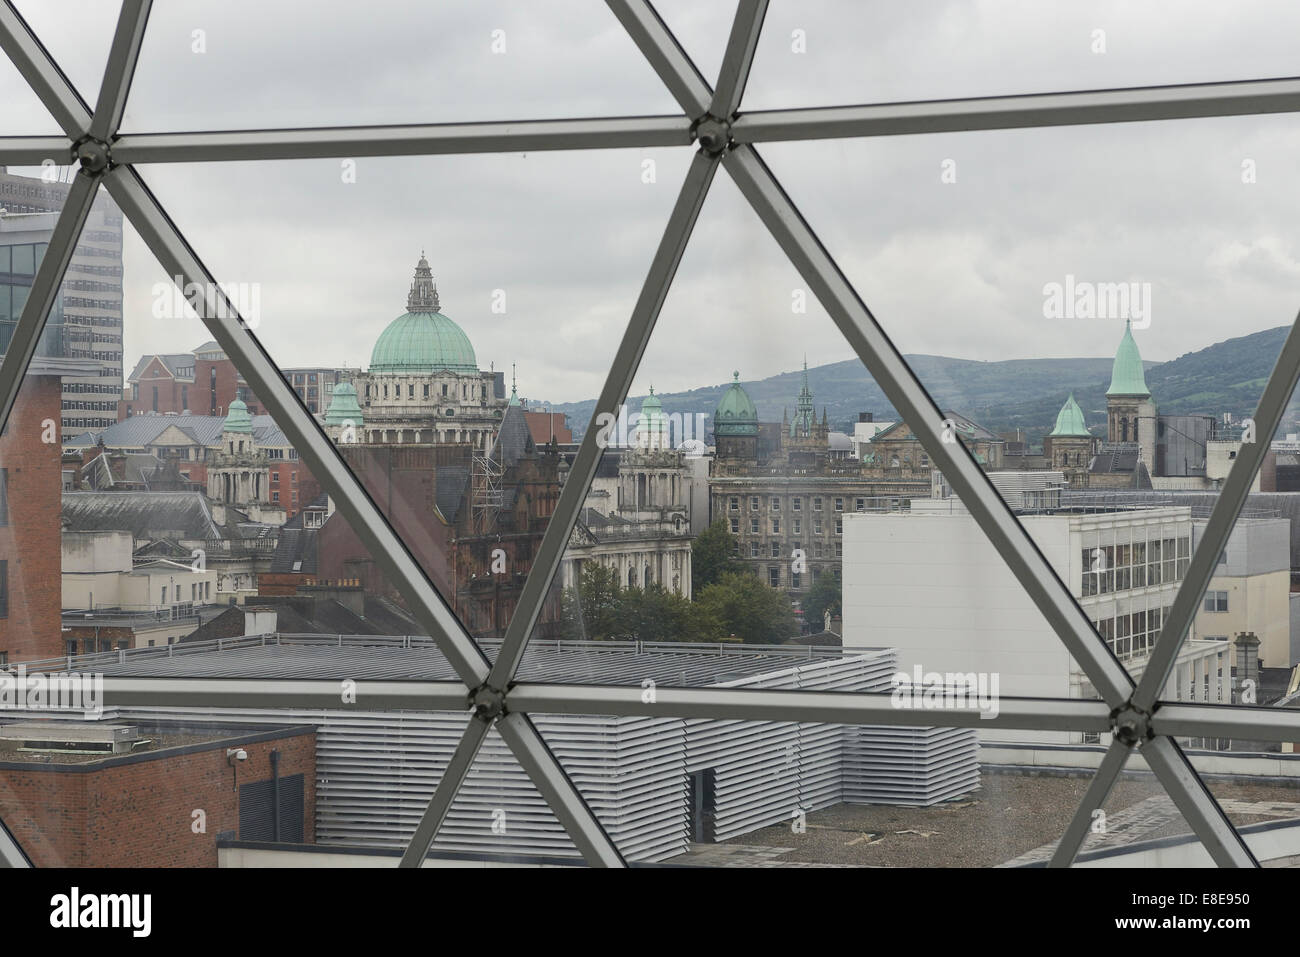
{"x": 514, "y": 440}
{"x": 145, "y": 515}
{"x": 138, "y": 431}
{"x": 966, "y": 428}
{"x": 451, "y": 482}
{"x": 171, "y": 362}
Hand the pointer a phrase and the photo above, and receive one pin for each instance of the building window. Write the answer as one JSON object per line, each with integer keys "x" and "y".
{"x": 753, "y": 503}
{"x": 776, "y": 549}
{"x": 795, "y": 581}
{"x": 817, "y": 526}
{"x": 796, "y": 526}
{"x": 796, "y": 504}
{"x": 735, "y": 526}
{"x": 164, "y": 594}
{"x": 839, "y": 526}
{"x": 839, "y": 549}
{"x": 839, "y": 504}
{"x": 817, "y": 504}
{"x": 1216, "y": 601}
{"x": 776, "y": 526}
{"x": 860, "y": 505}
{"x": 753, "y": 526}
{"x": 734, "y": 503}
{"x": 774, "y": 575}
{"x": 426, "y": 390}
{"x": 410, "y": 391}
{"x": 776, "y": 505}
{"x": 753, "y": 549}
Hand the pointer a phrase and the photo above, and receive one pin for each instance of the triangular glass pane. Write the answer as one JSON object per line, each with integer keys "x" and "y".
{"x": 436, "y": 388}
{"x": 1113, "y": 355}
{"x": 1240, "y": 649}
{"x": 827, "y": 55}
{"x": 76, "y": 368}
{"x": 78, "y": 35}
{"x": 400, "y": 63}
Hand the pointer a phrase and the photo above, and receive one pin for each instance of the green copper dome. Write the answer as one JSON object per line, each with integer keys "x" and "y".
{"x": 736, "y": 414}
{"x": 1069, "y": 421}
{"x": 652, "y": 418}
{"x": 238, "y": 419}
{"x": 1127, "y": 377}
{"x": 423, "y": 339}
{"x": 344, "y": 407}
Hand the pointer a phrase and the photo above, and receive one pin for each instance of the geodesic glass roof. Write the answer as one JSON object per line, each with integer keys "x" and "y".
{"x": 149, "y": 115}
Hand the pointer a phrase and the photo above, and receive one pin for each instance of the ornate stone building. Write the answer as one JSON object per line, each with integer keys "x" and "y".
{"x": 1070, "y": 446}
{"x": 636, "y": 519}
{"x": 424, "y": 386}
{"x": 783, "y": 492}
{"x": 239, "y": 472}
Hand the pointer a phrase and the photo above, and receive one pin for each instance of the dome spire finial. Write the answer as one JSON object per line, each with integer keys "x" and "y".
{"x": 424, "y": 294}
{"x": 514, "y": 386}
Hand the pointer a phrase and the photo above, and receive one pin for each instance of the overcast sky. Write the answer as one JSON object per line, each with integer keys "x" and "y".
{"x": 954, "y": 268}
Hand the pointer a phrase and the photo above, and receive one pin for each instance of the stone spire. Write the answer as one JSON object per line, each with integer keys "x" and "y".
{"x": 805, "y": 416}
{"x": 424, "y": 293}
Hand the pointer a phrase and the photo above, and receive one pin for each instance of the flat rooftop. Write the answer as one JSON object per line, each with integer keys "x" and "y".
{"x": 381, "y": 657}
{"x": 71, "y": 742}
{"x": 1014, "y": 819}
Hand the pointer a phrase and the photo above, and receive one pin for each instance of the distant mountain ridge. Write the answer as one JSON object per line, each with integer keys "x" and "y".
{"x": 1025, "y": 394}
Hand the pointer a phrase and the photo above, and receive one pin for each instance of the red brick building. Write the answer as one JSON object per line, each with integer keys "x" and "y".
{"x": 31, "y": 490}
{"x": 141, "y": 809}
{"x": 203, "y": 382}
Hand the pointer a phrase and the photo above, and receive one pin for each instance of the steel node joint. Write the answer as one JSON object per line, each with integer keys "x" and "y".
{"x": 1131, "y": 726}
{"x": 713, "y": 134}
{"x": 488, "y": 703}
{"x": 94, "y": 155}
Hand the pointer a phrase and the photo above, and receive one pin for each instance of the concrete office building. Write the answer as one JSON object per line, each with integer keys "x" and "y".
{"x": 86, "y": 321}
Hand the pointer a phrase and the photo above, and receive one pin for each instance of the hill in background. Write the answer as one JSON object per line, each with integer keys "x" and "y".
{"x": 1012, "y": 394}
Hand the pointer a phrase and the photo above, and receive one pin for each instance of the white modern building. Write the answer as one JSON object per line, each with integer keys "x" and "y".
{"x": 928, "y": 583}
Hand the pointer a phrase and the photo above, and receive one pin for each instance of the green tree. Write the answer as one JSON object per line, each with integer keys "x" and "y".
{"x": 590, "y": 610}
{"x": 713, "y": 554}
{"x": 745, "y": 607}
{"x": 826, "y": 594}
{"x": 657, "y": 614}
